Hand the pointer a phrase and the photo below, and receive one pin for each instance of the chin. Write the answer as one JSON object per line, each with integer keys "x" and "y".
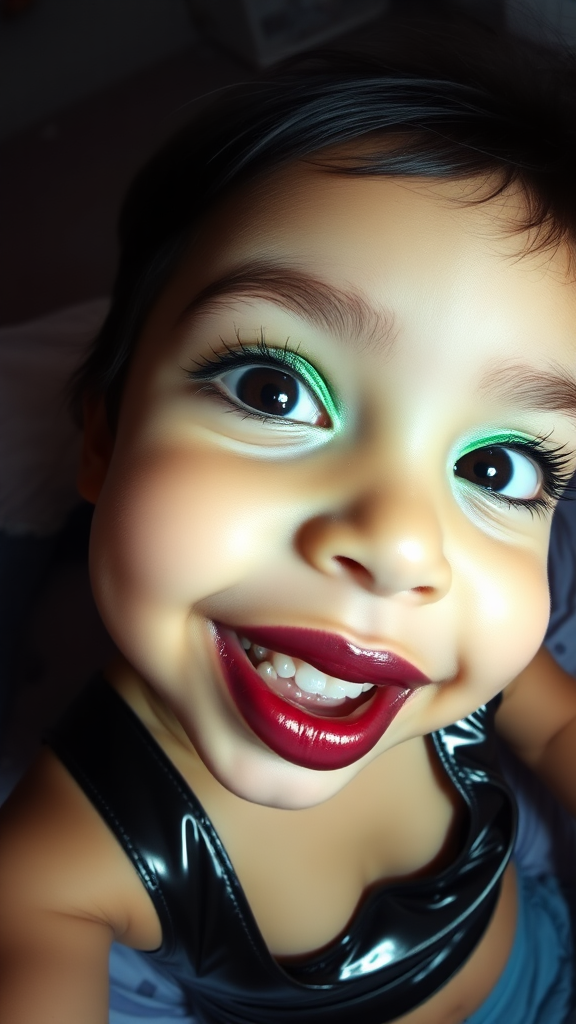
{"x": 268, "y": 781}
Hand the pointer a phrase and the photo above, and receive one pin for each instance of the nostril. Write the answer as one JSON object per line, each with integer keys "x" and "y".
{"x": 354, "y": 568}
{"x": 422, "y": 590}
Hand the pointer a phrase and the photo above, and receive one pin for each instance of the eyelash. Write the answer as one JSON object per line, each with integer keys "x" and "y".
{"x": 241, "y": 355}
{"x": 552, "y": 462}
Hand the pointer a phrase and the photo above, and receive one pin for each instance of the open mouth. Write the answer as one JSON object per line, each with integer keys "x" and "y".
{"x": 306, "y": 715}
{"x": 304, "y": 686}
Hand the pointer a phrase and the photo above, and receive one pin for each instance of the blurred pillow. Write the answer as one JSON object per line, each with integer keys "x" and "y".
{"x": 39, "y": 443}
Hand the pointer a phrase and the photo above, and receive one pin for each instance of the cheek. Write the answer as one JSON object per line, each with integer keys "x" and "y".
{"x": 174, "y": 529}
{"x": 511, "y": 611}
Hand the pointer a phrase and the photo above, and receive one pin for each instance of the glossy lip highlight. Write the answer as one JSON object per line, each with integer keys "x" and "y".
{"x": 336, "y": 656}
{"x": 302, "y": 738}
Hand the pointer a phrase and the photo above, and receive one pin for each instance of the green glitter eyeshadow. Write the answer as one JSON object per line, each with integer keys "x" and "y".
{"x": 491, "y": 440}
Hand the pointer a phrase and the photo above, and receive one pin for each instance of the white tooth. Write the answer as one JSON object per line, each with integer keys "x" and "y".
{"x": 260, "y": 652}
{"x": 246, "y": 644}
{"x": 367, "y": 686}
{"x": 341, "y": 688}
{"x": 310, "y": 679}
{"x": 284, "y": 665}
{"x": 267, "y": 671}
{"x": 335, "y": 688}
{"x": 353, "y": 689}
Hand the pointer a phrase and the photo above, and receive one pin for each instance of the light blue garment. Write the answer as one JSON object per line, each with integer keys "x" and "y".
{"x": 139, "y": 992}
{"x": 536, "y": 984}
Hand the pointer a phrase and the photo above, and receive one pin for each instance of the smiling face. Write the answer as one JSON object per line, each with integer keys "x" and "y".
{"x": 330, "y": 425}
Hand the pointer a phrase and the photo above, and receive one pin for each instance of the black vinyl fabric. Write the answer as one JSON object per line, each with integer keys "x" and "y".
{"x": 404, "y": 941}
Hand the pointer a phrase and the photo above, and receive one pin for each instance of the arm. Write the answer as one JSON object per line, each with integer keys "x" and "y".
{"x": 66, "y": 891}
{"x": 53, "y": 970}
{"x": 537, "y": 718}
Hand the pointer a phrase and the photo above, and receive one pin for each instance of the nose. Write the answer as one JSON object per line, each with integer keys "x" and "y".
{"x": 387, "y": 544}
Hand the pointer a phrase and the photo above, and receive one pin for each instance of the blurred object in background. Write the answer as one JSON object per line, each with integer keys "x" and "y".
{"x": 264, "y": 31}
{"x": 39, "y": 447}
{"x": 549, "y": 21}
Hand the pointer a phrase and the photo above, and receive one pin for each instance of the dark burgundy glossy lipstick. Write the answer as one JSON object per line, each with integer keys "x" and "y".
{"x": 310, "y": 740}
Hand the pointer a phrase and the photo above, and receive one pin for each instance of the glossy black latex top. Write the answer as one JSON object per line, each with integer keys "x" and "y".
{"x": 402, "y": 944}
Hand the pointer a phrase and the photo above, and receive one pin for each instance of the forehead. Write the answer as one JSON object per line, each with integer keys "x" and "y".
{"x": 421, "y": 255}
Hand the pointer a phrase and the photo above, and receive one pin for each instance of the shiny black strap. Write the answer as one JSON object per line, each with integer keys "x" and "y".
{"x": 421, "y": 930}
{"x": 167, "y": 835}
{"x": 100, "y": 741}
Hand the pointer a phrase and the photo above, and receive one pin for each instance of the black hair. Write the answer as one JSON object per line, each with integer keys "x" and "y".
{"x": 456, "y": 106}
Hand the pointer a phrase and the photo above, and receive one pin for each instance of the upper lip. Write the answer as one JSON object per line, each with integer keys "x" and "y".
{"x": 336, "y": 656}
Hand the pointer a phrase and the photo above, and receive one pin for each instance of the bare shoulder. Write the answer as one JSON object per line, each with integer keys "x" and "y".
{"x": 57, "y": 856}
{"x": 536, "y": 706}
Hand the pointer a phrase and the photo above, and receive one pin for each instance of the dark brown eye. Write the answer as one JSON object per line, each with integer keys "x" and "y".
{"x": 487, "y": 467}
{"x": 500, "y": 469}
{"x": 267, "y": 390}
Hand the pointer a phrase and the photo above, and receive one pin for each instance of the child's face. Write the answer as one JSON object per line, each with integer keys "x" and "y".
{"x": 258, "y": 497}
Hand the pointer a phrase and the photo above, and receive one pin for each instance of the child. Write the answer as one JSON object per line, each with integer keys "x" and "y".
{"x": 326, "y": 425}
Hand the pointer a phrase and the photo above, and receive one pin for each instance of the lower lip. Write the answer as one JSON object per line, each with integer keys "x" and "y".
{"x": 323, "y": 744}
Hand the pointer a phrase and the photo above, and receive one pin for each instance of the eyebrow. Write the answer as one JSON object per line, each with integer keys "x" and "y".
{"x": 347, "y": 314}
{"x": 350, "y": 316}
{"x": 526, "y": 386}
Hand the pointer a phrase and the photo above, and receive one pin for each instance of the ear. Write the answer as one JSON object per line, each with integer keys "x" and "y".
{"x": 97, "y": 446}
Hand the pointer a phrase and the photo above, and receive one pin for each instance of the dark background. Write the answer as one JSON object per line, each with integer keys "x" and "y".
{"x": 88, "y": 89}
